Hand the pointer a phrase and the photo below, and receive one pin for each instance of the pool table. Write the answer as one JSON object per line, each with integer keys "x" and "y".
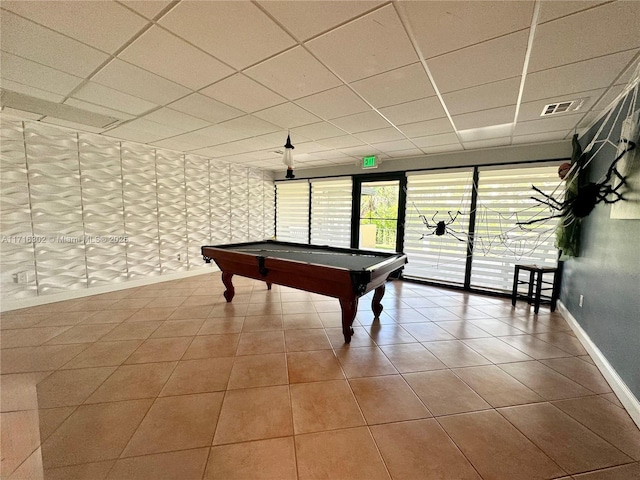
{"x": 343, "y": 273}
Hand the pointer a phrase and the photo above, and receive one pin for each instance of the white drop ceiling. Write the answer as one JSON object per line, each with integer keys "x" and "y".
{"x": 398, "y": 79}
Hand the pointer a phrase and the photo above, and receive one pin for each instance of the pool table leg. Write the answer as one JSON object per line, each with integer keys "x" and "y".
{"x": 349, "y": 309}
{"x": 230, "y": 291}
{"x": 376, "y": 306}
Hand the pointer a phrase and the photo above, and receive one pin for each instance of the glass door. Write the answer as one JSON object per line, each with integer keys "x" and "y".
{"x": 379, "y": 223}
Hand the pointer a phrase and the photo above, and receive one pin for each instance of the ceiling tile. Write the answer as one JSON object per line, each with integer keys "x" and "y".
{"x": 135, "y": 81}
{"x": 575, "y": 77}
{"x": 28, "y": 40}
{"x": 307, "y": 19}
{"x": 318, "y": 131}
{"x": 243, "y": 93}
{"x": 449, "y": 148}
{"x": 90, "y": 107}
{"x": 551, "y": 124}
{"x": 157, "y": 129}
{"x": 591, "y": 34}
{"x": 436, "y": 140}
{"x": 483, "y": 97}
{"x": 294, "y": 74}
{"x": 370, "y": 45}
{"x": 167, "y": 116}
{"x": 166, "y": 55}
{"x": 416, "y": 111}
{"x": 540, "y": 137}
{"x": 146, "y": 8}
{"x": 552, "y": 9}
{"x": 408, "y": 153}
{"x": 608, "y": 97}
{"x": 441, "y": 27}
{"x": 491, "y": 143}
{"x": 110, "y": 98}
{"x": 360, "y": 151}
{"x": 195, "y": 140}
{"x": 396, "y": 86}
{"x": 485, "y": 118}
{"x": 103, "y": 25}
{"x": 237, "y": 33}
{"x": 36, "y": 75}
{"x": 532, "y": 110}
{"x": 361, "y": 122}
{"x": 249, "y": 126}
{"x": 205, "y": 108}
{"x": 428, "y": 127}
{"x": 288, "y": 115}
{"x": 32, "y": 91}
{"x": 393, "y": 146}
{"x": 345, "y": 141}
{"x": 381, "y": 135}
{"x": 128, "y": 133}
{"x": 483, "y": 63}
{"x": 74, "y": 125}
{"x": 337, "y": 102}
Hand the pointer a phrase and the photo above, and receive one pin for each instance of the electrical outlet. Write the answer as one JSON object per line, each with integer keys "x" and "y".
{"x": 21, "y": 277}
{"x": 581, "y": 300}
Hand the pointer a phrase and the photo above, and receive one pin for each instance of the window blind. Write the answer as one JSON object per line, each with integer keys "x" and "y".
{"x": 331, "y": 212}
{"x": 504, "y": 198}
{"x": 430, "y": 198}
{"x": 292, "y": 211}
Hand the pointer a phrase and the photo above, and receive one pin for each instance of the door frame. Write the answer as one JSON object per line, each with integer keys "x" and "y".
{"x": 358, "y": 180}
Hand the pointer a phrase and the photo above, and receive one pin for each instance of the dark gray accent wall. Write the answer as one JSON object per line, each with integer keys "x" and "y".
{"x": 607, "y": 272}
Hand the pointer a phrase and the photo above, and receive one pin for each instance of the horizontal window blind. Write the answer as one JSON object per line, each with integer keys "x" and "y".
{"x": 430, "y": 198}
{"x": 292, "y": 211}
{"x": 331, "y": 212}
{"x": 504, "y": 198}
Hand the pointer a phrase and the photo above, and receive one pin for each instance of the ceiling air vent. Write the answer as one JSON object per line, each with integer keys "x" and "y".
{"x": 562, "y": 107}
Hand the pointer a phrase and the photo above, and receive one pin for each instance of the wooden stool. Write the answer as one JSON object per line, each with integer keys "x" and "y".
{"x": 535, "y": 278}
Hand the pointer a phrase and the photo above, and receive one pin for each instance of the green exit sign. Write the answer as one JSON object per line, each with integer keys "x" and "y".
{"x": 369, "y": 162}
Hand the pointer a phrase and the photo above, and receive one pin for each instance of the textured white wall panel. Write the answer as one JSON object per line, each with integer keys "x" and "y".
{"x": 269, "y": 202}
{"x": 220, "y": 202}
{"x": 102, "y": 209}
{"x": 17, "y": 254}
{"x": 56, "y": 208}
{"x": 196, "y": 174}
{"x": 172, "y": 211}
{"x": 256, "y": 205}
{"x": 238, "y": 185}
{"x": 141, "y": 210}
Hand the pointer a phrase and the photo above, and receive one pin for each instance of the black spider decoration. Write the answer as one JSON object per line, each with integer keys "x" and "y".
{"x": 441, "y": 227}
{"x": 586, "y": 196}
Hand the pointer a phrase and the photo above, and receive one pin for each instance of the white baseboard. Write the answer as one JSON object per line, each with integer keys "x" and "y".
{"x": 16, "y": 303}
{"x": 626, "y": 397}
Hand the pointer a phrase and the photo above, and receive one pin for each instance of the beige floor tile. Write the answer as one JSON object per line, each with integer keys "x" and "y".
{"x": 455, "y": 354}
{"x": 183, "y": 465}
{"x": 301, "y": 320}
{"x": 131, "y": 331}
{"x": 421, "y": 449}
{"x": 572, "y": 446}
{"x": 199, "y": 300}
{"x": 82, "y": 334}
{"x": 496, "y": 350}
{"x": 71, "y": 387}
{"x": 178, "y": 328}
{"x": 346, "y": 454}
{"x": 306, "y": 340}
{"x": 331, "y": 319}
{"x": 563, "y": 341}
{"x": 110, "y": 316}
{"x": 313, "y": 366}
{"x": 387, "y": 399}
{"x": 168, "y": 301}
{"x": 412, "y": 357}
{"x": 443, "y": 393}
{"x": 360, "y": 338}
{"x": 131, "y": 382}
{"x": 16, "y": 320}
{"x": 243, "y": 418}
{"x": 160, "y": 350}
{"x": 463, "y": 329}
{"x": 93, "y": 433}
{"x": 176, "y": 423}
{"x": 534, "y": 347}
{"x": 364, "y": 362}
{"x": 581, "y": 372}
{"x": 103, "y": 354}
{"x": 543, "y": 380}
{"x": 130, "y": 303}
{"x": 496, "y": 327}
{"x": 262, "y": 323}
{"x": 30, "y": 468}
{"x": 625, "y": 472}
{"x": 497, "y": 449}
{"x": 255, "y": 343}
{"x": 29, "y": 337}
{"x": 407, "y": 315}
{"x": 51, "y": 418}
{"x": 264, "y": 309}
{"x": 229, "y": 310}
{"x": 427, "y": 332}
{"x": 258, "y": 371}
{"x": 223, "y": 325}
{"x": 191, "y": 313}
{"x": 151, "y": 314}
{"x": 64, "y": 318}
{"x": 86, "y": 471}
{"x": 607, "y": 420}
{"x": 260, "y": 460}
{"x": 210, "y": 346}
{"x": 38, "y": 359}
{"x": 20, "y": 437}
{"x": 322, "y": 406}
{"x": 389, "y": 334}
{"x": 199, "y": 376}
{"x": 18, "y": 391}
{"x": 496, "y": 386}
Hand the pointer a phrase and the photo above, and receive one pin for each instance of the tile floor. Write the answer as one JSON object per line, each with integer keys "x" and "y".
{"x": 170, "y": 381}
